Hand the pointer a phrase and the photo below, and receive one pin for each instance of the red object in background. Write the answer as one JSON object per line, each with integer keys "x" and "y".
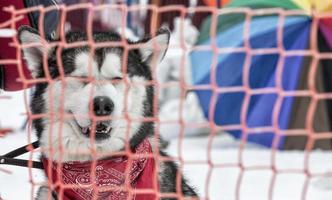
{"x": 6, "y": 52}
{"x": 4, "y": 132}
{"x": 215, "y": 3}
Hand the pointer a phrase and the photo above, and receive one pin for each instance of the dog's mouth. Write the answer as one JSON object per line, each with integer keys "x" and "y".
{"x": 102, "y": 130}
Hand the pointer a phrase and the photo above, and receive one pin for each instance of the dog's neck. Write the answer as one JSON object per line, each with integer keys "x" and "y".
{"x": 108, "y": 172}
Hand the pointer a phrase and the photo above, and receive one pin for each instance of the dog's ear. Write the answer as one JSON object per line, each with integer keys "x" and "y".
{"x": 153, "y": 49}
{"x": 33, "y": 55}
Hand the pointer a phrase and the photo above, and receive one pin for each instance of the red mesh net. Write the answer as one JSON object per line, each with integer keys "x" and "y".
{"x": 212, "y": 166}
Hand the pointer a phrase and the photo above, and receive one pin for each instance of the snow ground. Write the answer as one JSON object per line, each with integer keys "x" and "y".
{"x": 213, "y": 183}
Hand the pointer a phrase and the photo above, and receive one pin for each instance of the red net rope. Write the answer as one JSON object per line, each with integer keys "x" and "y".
{"x": 311, "y": 92}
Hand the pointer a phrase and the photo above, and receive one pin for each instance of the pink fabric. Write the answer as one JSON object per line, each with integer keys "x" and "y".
{"x": 108, "y": 173}
{"x": 326, "y": 28}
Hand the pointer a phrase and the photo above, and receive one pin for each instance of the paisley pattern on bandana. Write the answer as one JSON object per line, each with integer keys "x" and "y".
{"x": 109, "y": 179}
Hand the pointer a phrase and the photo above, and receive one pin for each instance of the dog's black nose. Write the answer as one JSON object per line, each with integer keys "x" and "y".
{"x": 102, "y": 106}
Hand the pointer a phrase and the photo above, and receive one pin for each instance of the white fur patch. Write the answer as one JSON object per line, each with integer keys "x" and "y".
{"x": 85, "y": 65}
{"x": 33, "y": 55}
{"x": 44, "y": 193}
{"x": 111, "y": 67}
{"x": 155, "y": 47}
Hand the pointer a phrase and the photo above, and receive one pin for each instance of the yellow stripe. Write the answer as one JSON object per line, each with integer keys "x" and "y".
{"x": 319, "y": 5}
{"x": 323, "y": 5}
{"x": 304, "y": 4}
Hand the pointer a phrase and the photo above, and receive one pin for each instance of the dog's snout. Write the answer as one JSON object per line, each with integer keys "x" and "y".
{"x": 102, "y": 106}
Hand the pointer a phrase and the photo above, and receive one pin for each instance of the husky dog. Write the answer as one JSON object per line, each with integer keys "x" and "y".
{"x": 98, "y": 103}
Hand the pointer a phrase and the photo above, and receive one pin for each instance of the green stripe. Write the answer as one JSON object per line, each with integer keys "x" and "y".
{"x": 286, "y": 4}
{"x": 227, "y": 21}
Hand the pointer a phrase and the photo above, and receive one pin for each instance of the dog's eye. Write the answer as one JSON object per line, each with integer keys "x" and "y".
{"x": 116, "y": 80}
{"x": 82, "y": 79}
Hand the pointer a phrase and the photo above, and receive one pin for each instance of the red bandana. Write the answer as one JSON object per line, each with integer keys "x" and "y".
{"x": 108, "y": 173}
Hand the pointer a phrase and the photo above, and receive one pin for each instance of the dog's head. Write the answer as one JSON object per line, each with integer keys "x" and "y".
{"x": 93, "y": 96}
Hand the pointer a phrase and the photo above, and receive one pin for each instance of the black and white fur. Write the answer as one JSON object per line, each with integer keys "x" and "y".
{"x": 85, "y": 78}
